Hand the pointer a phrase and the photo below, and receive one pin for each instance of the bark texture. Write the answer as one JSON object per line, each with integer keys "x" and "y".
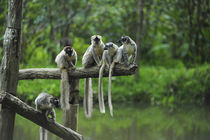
{"x": 10, "y": 65}
{"x": 93, "y": 72}
{"x": 16, "y": 105}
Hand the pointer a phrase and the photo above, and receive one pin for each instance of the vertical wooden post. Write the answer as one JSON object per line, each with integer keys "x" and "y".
{"x": 139, "y": 34}
{"x": 10, "y": 65}
{"x": 70, "y": 117}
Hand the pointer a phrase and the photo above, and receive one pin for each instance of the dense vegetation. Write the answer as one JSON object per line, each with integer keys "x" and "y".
{"x": 173, "y": 38}
{"x": 157, "y": 85}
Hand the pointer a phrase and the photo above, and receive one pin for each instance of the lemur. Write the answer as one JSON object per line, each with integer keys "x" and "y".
{"x": 127, "y": 51}
{"x": 108, "y": 55}
{"x": 122, "y": 55}
{"x": 92, "y": 57}
{"x": 66, "y": 59}
{"x": 45, "y": 103}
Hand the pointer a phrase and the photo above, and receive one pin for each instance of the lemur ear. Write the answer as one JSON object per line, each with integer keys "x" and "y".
{"x": 99, "y": 36}
{"x": 92, "y": 37}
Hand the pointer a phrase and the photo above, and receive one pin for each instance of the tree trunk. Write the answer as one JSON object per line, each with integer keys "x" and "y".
{"x": 198, "y": 31}
{"x": 67, "y": 30}
{"x": 190, "y": 7}
{"x": 10, "y": 65}
{"x": 139, "y": 34}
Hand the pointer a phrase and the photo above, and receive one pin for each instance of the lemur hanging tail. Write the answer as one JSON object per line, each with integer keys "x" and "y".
{"x": 100, "y": 90}
{"x": 88, "y": 98}
{"x": 43, "y": 133}
{"x": 65, "y": 88}
{"x": 91, "y": 57}
{"x": 109, "y": 89}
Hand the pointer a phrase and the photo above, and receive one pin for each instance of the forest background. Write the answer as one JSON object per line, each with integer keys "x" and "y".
{"x": 173, "y": 38}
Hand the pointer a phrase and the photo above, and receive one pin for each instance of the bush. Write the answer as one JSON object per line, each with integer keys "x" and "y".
{"x": 157, "y": 85}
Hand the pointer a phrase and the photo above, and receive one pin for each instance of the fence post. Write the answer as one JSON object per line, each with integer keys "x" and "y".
{"x": 70, "y": 117}
{"x": 10, "y": 65}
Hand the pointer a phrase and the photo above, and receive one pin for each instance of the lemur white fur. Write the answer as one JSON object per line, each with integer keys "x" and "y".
{"x": 108, "y": 55}
{"x": 46, "y": 103}
{"x": 66, "y": 59}
{"x": 127, "y": 51}
{"x": 92, "y": 57}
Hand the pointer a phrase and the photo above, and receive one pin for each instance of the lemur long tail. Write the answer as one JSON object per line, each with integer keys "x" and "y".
{"x": 109, "y": 89}
{"x": 88, "y": 98}
{"x": 100, "y": 90}
{"x": 43, "y": 133}
{"x": 65, "y": 87}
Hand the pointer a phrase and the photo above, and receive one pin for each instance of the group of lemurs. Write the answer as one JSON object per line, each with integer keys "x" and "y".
{"x": 97, "y": 54}
{"x": 109, "y": 54}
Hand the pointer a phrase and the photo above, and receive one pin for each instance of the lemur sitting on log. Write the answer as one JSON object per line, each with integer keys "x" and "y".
{"x": 127, "y": 51}
{"x": 115, "y": 55}
{"x": 92, "y": 57}
{"x": 45, "y": 103}
{"x": 66, "y": 59}
{"x": 108, "y": 60}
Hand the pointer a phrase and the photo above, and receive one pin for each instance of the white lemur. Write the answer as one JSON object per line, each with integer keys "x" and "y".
{"x": 122, "y": 55}
{"x": 127, "y": 51}
{"x": 108, "y": 55}
{"x": 66, "y": 59}
{"x": 45, "y": 103}
{"x": 92, "y": 57}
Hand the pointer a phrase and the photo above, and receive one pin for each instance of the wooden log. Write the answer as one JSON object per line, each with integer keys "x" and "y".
{"x": 10, "y": 65}
{"x": 70, "y": 116}
{"x": 53, "y": 73}
{"x": 13, "y": 103}
{"x": 74, "y": 104}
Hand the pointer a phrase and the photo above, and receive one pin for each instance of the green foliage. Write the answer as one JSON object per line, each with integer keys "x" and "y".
{"x": 171, "y": 29}
{"x": 174, "y": 45}
{"x": 157, "y": 85}
{"x": 29, "y": 90}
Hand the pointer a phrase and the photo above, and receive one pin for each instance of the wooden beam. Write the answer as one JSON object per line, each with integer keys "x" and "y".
{"x": 10, "y": 65}
{"x": 54, "y": 73}
{"x": 13, "y": 103}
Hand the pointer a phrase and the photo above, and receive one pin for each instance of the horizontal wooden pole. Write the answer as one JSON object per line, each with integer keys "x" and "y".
{"x": 54, "y": 73}
{"x": 13, "y": 103}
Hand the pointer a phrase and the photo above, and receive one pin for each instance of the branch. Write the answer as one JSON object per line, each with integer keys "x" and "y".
{"x": 53, "y": 73}
{"x": 13, "y": 103}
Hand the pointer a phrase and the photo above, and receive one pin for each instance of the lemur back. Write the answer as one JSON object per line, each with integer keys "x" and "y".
{"x": 46, "y": 103}
{"x": 128, "y": 50}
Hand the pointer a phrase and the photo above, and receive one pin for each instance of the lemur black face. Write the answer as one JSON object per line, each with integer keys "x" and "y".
{"x": 108, "y": 46}
{"x": 124, "y": 39}
{"x": 68, "y": 50}
{"x": 97, "y": 40}
{"x": 55, "y": 102}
